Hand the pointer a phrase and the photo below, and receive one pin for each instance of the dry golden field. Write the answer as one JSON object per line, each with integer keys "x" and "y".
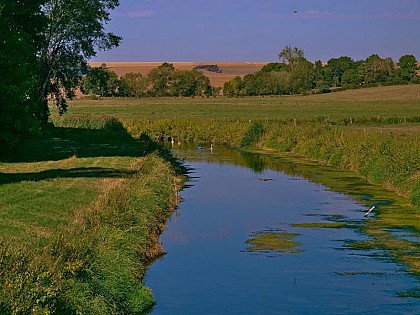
{"x": 229, "y": 69}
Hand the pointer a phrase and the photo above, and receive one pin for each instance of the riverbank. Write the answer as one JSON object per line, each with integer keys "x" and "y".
{"x": 374, "y": 132}
{"x": 81, "y": 213}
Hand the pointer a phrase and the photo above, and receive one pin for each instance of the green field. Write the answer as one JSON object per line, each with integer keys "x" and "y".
{"x": 382, "y": 102}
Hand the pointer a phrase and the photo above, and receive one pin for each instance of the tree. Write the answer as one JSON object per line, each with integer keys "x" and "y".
{"x": 74, "y": 31}
{"x": 274, "y": 66}
{"x": 135, "y": 83}
{"x": 319, "y": 75}
{"x": 302, "y": 77}
{"x": 20, "y": 24}
{"x": 233, "y": 87}
{"x": 291, "y": 56}
{"x": 337, "y": 67}
{"x": 407, "y": 67}
{"x": 100, "y": 81}
{"x": 351, "y": 77}
{"x": 190, "y": 83}
{"x": 161, "y": 79}
{"x": 378, "y": 70}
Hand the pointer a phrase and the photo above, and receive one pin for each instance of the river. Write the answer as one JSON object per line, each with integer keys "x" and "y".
{"x": 258, "y": 235}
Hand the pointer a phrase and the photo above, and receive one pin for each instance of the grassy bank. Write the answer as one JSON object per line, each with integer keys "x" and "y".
{"x": 374, "y": 132}
{"x": 81, "y": 211}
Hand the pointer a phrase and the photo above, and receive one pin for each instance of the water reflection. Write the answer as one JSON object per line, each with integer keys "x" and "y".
{"x": 394, "y": 211}
{"x": 267, "y": 234}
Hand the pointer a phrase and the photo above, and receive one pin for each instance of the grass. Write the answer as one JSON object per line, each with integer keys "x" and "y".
{"x": 376, "y": 103}
{"x": 81, "y": 211}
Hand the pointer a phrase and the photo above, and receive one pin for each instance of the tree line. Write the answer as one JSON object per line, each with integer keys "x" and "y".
{"x": 164, "y": 80}
{"x": 295, "y": 74}
{"x": 44, "y": 48}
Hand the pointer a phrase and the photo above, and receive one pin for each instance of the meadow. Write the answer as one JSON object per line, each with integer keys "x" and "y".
{"x": 377, "y": 103}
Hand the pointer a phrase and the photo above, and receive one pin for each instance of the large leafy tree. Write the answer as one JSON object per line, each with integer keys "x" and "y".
{"x": 75, "y": 30}
{"x": 377, "y": 70}
{"x": 407, "y": 67}
{"x": 337, "y": 67}
{"x": 134, "y": 84}
{"x": 100, "y": 81}
{"x": 162, "y": 79}
{"x": 21, "y": 23}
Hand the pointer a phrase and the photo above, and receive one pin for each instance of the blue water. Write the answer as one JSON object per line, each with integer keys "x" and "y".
{"x": 208, "y": 269}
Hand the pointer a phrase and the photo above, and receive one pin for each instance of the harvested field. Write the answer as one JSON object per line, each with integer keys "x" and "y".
{"x": 229, "y": 69}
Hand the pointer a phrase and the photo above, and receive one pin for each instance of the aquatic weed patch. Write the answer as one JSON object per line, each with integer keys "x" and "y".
{"x": 319, "y": 225}
{"x": 273, "y": 241}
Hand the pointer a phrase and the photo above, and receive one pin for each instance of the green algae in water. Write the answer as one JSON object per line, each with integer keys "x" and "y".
{"x": 392, "y": 211}
{"x": 413, "y": 293}
{"x": 324, "y": 225}
{"x": 281, "y": 242}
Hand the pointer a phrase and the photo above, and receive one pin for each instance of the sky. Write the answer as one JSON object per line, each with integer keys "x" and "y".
{"x": 257, "y": 30}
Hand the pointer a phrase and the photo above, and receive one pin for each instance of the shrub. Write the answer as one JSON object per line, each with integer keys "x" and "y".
{"x": 253, "y": 134}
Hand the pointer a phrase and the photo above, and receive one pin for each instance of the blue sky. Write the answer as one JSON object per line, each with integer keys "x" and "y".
{"x": 256, "y": 30}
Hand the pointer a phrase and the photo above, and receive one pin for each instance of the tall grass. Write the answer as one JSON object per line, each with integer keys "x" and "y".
{"x": 95, "y": 264}
{"x": 95, "y": 261}
{"x": 386, "y": 158}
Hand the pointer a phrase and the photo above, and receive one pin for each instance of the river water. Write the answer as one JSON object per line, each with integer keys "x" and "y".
{"x": 255, "y": 236}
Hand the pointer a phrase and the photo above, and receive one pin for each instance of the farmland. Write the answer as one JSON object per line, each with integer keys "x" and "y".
{"x": 393, "y": 101}
{"x": 229, "y": 69}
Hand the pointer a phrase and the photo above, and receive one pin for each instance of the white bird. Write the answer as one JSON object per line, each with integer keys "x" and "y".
{"x": 370, "y": 210}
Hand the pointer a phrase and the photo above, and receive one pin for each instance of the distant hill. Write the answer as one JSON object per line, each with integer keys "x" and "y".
{"x": 228, "y": 70}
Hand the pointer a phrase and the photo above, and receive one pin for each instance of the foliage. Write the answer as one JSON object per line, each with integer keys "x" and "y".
{"x": 20, "y": 24}
{"x": 297, "y": 75}
{"x": 337, "y": 67}
{"x": 100, "y": 81}
{"x": 274, "y": 66}
{"x": 44, "y": 47}
{"x": 375, "y": 69}
{"x": 253, "y": 134}
{"x": 162, "y": 81}
{"x": 351, "y": 77}
{"x": 233, "y": 87}
{"x": 69, "y": 40}
{"x": 291, "y": 56}
{"x": 407, "y": 67}
{"x": 134, "y": 85}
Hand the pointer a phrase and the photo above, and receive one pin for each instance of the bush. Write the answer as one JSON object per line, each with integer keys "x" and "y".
{"x": 253, "y": 134}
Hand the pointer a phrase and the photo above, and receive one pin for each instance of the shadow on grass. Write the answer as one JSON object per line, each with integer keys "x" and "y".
{"x": 88, "y": 172}
{"x": 62, "y": 143}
